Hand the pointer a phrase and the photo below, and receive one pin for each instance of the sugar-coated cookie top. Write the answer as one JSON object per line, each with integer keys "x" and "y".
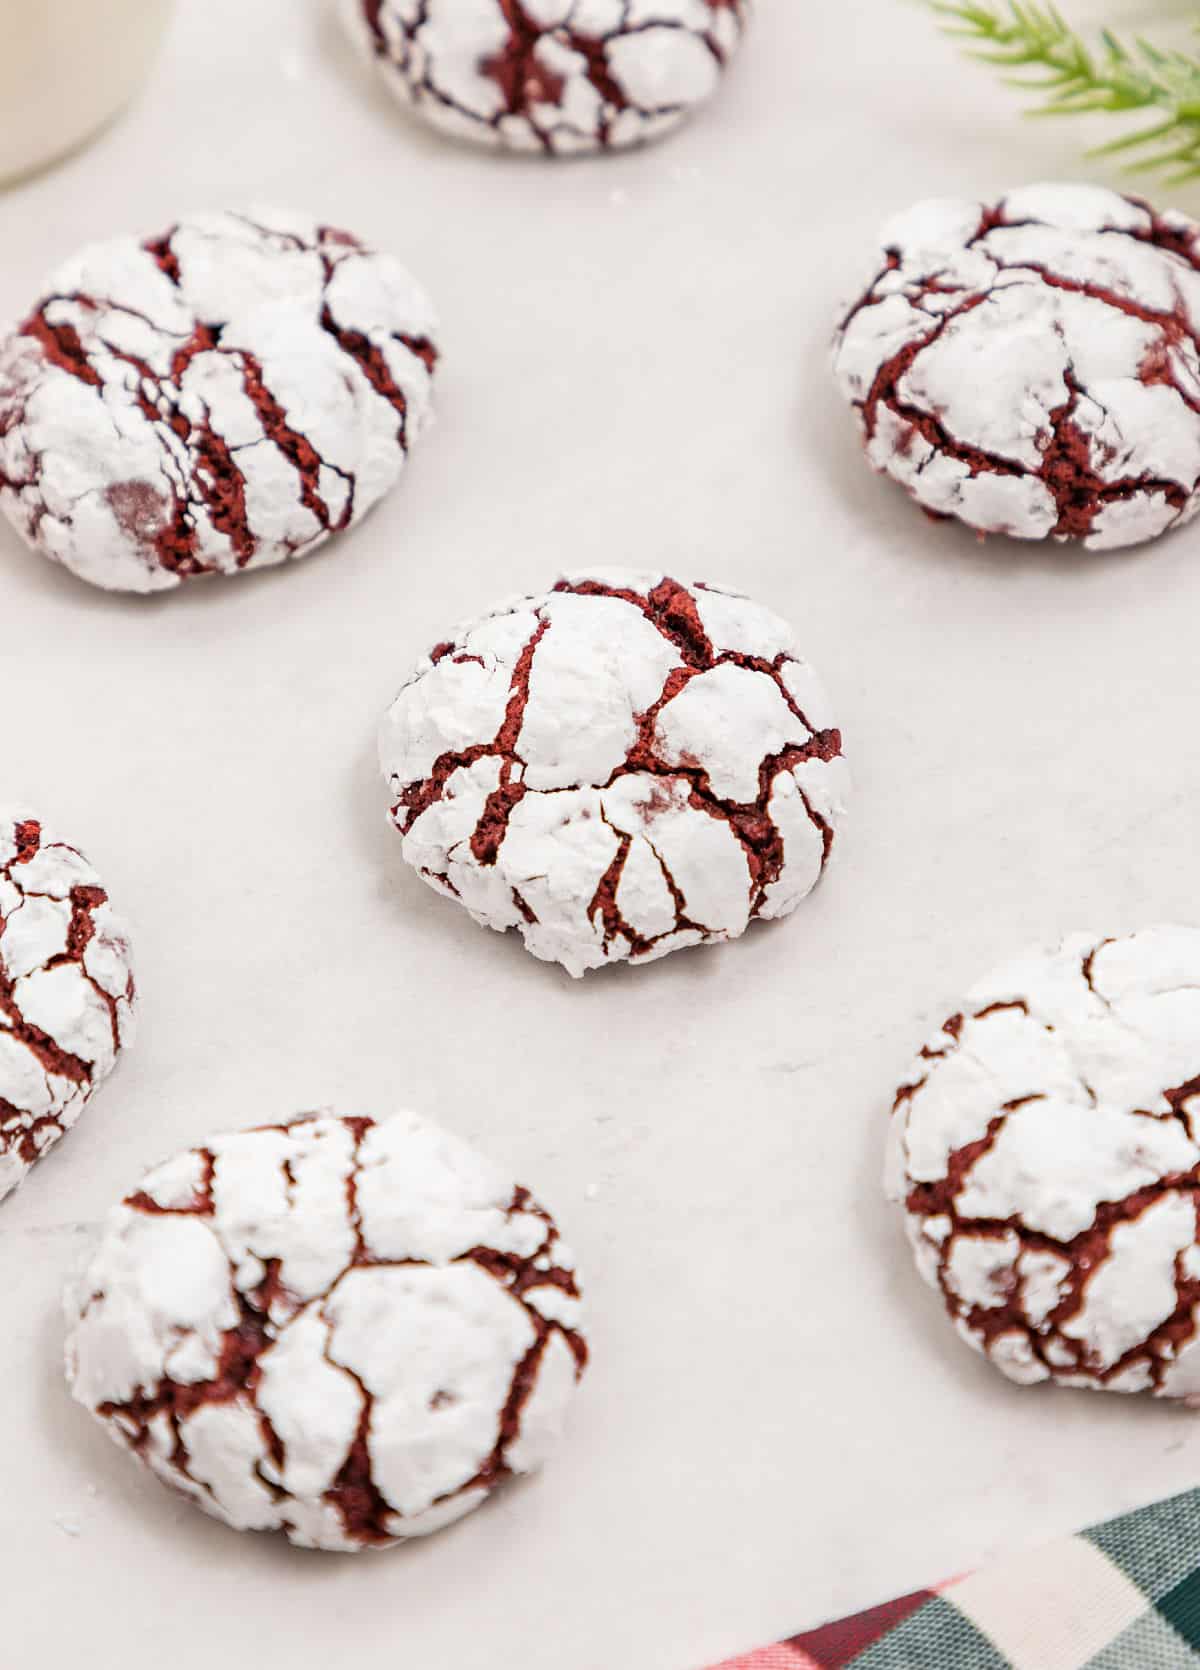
{"x": 1031, "y": 367}
{"x": 219, "y": 398}
{"x": 557, "y": 76}
{"x": 347, "y": 1330}
{"x": 66, "y": 989}
{"x": 619, "y": 767}
{"x": 1046, "y": 1147}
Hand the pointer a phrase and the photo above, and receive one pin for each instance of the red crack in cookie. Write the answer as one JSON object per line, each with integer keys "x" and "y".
{"x": 66, "y": 991}
{"x": 618, "y": 768}
{"x": 557, "y": 76}
{"x": 346, "y": 1330}
{"x": 217, "y": 399}
{"x": 1033, "y": 368}
{"x": 1046, "y": 1147}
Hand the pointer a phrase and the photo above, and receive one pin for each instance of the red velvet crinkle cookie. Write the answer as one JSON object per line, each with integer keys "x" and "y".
{"x": 618, "y": 768}
{"x": 66, "y": 990}
{"x": 221, "y": 397}
{"x": 348, "y": 1330}
{"x": 557, "y": 76}
{"x": 1032, "y": 367}
{"x": 1045, "y": 1147}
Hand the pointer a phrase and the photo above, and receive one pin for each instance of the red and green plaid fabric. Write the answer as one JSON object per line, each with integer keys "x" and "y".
{"x": 1122, "y": 1596}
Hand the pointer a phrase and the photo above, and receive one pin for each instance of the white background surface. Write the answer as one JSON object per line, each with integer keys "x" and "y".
{"x": 778, "y": 1425}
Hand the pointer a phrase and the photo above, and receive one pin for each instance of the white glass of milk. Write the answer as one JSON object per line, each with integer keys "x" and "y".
{"x": 66, "y": 67}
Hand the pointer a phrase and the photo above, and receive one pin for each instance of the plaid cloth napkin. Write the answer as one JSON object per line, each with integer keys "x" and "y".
{"x": 1123, "y": 1596}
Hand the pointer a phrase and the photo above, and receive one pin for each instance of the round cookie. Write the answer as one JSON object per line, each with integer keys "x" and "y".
{"x": 1032, "y": 367}
{"x": 66, "y": 990}
{"x": 347, "y": 1330}
{"x": 558, "y": 76}
{"x": 216, "y": 399}
{"x": 620, "y": 767}
{"x": 1046, "y": 1148}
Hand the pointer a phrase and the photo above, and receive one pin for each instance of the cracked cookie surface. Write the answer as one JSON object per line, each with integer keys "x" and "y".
{"x": 66, "y": 990}
{"x": 1033, "y": 367}
{"x": 618, "y": 768}
{"x": 348, "y": 1330}
{"x": 556, "y": 76}
{"x": 216, "y": 399}
{"x": 1046, "y": 1149}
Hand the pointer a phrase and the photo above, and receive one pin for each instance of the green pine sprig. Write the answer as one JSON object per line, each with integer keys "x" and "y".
{"x": 1041, "y": 51}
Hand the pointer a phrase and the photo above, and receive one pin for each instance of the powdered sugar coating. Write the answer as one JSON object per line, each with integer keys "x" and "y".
{"x": 66, "y": 990}
{"x": 557, "y": 76}
{"x": 617, "y": 768}
{"x": 1046, "y": 1147}
{"x": 346, "y": 1330}
{"x": 217, "y": 399}
{"x": 1033, "y": 368}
